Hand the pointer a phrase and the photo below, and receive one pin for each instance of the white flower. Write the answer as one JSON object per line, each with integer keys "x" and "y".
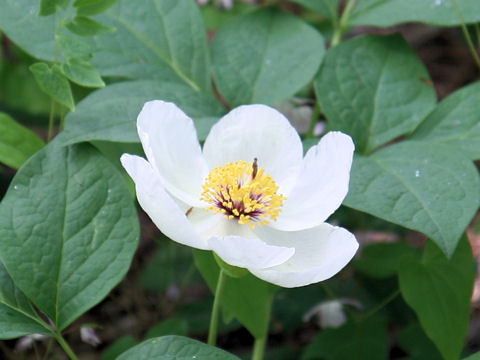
{"x": 249, "y": 195}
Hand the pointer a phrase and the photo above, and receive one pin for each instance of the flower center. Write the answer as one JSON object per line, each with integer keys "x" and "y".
{"x": 241, "y": 190}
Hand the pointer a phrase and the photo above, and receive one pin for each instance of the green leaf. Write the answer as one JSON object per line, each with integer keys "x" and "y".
{"x": 48, "y": 7}
{"x": 110, "y": 113}
{"x": 53, "y": 83}
{"x": 32, "y": 33}
{"x": 371, "y": 88}
{"x": 92, "y": 7}
{"x": 69, "y": 230}
{"x": 366, "y": 340}
{"x": 74, "y": 47}
{"x": 17, "y": 316}
{"x": 248, "y": 298}
{"x": 436, "y": 12}
{"x": 20, "y": 90}
{"x": 85, "y": 26}
{"x": 35, "y": 34}
{"x": 413, "y": 340}
{"x": 475, "y": 356}
{"x": 17, "y": 143}
{"x": 264, "y": 57}
{"x": 155, "y": 39}
{"x": 439, "y": 291}
{"x": 173, "y": 326}
{"x": 455, "y": 122}
{"x": 382, "y": 260}
{"x": 82, "y": 73}
{"x": 328, "y": 8}
{"x": 118, "y": 347}
{"x": 425, "y": 187}
{"x": 175, "y": 348}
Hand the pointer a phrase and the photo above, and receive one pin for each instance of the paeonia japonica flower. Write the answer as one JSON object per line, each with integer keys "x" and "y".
{"x": 249, "y": 195}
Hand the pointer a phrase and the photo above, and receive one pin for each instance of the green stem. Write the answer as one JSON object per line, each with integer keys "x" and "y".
{"x": 331, "y": 294}
{"x": 477, "y": 32}
{"x": 313, "y": 121}
{"x": 213, "y": 330}
{"x": 51, "y": 121}
{"x": 466, "y": 33}
{"x": 343, "y": 24}
{"x": 259, "y": 348}
{"x": 65, "y": 346}
{"x": 381, "y": 305}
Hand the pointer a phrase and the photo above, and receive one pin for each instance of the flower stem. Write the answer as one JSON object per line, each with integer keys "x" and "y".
{"x": 466, "y": 33}
{"x": 259, "y": 348}
{"x": 213, "y": 330}
{"x": 343, "y": 24}
{"x": 313, "y": 121}
{"x": 380, "y": 306}
{"x": 65, "y": 346}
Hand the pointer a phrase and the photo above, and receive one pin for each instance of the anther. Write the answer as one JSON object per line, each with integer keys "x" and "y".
{"x": 255, "y": 168}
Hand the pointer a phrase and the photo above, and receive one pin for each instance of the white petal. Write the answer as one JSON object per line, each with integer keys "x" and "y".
{"x": 257, "y": 131}
{"x": 320, "y": 253}
{"x": 210, "y": 225}
{"x": 170, "y": 142}
{"x": 249, "y": 253}
{"x": 160, "y": 206}
{"x": 322, "y": 184}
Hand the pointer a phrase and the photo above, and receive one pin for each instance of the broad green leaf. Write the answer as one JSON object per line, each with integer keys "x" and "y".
{"x": 118, "y": 347}
{"x": 175, "y": 326}
{"x": 425, "y": 187}
{"x": 327, "y": 8}
{"x": 371, "y": 88}
{"x": 17, "y": 143}
{"x": 455, "y": 121}
{"x": 248, "y": 298}
{"x": 48, "y": 7}
{"x": 92, "y": 7}
{"x": 413, "y": 340}
{"x": 264, "y": 57}
{"x": 17, "y": 316}
{"x": 69, "y": 230}
{"x": 82, "y": 73}
{"x": 365, "y": 340}
{"x": 155, "y": 39}
{"x": 175, "y": 348}
{"x": 110, "y": 113}
{"x": 215, "y": 16}
{"x": 383, "y": 259}
{"x": 19, "y": 20}
{"x": 85, "y": 26}
{"x": 475, "y": 356}
{"x": 439, "y": 291}
{"x": 53, "y": 83}
{"x": 436, "y": 12}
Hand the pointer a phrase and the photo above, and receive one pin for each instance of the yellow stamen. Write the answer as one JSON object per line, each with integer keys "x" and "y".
{"x": 241, "y": 190}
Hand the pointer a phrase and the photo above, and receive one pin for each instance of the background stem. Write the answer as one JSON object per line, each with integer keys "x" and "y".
{"x": 343, "y": 23}
{"x": 65, "y": 346}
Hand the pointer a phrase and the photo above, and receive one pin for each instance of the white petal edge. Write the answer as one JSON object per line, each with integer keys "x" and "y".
{"x": 322, "y": 184}
{"x": 159, "y": 205}
{"x": 320, "y": 253}
{"x": 249, "y": 253}
{"x": 257, "y": 131}
{"x": 170, "y": 142}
